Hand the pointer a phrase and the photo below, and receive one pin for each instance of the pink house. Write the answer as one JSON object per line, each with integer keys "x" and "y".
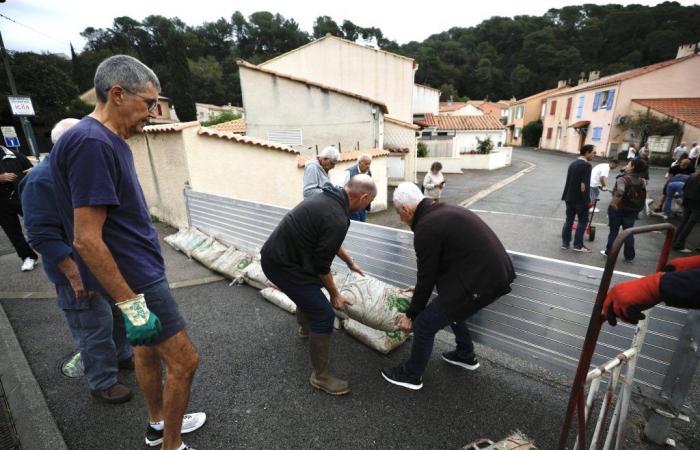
{"x": 590, "y": 112}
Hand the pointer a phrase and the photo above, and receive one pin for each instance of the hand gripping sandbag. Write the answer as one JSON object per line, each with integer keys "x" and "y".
{"x": 209, "y": 252}
{"x": 232, "y": 263}
{"x": 278, "y": 298}
{"x": 375, "y": 303}
{"x": 381, "y": 341}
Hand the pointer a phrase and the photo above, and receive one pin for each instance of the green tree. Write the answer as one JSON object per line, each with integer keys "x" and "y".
{"x": 207, "y": 80}
{"x": 532, "y": 132}
{"x": 325, "y": 25}
{"x": 179, "y": 86}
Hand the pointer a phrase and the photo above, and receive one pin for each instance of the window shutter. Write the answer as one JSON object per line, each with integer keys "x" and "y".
{"x": 596, "y": 101}
{"x": 549, "y": 133}
{"x": 611, "y": 97}
{"x": 568, "y": 107}
{"x": 579, "y": 110}
{"x": 553, "y": 108}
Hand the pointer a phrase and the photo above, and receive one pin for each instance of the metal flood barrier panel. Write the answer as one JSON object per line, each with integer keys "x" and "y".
{"x": 544, "y": 319}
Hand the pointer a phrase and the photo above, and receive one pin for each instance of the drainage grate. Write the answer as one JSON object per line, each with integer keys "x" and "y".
{"x": 8, "y": 435}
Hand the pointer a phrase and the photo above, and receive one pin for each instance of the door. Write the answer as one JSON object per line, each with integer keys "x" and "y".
{"x": 558, "y": 143}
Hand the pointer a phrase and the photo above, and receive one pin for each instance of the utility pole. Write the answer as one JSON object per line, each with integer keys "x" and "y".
{"x": 24, "y": 121}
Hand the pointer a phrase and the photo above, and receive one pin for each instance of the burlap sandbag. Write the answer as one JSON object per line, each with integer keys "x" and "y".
{"x": 279, "y": 298}
{"x": 253, "y": 275}
{"x": 187, "y": 240}
{"x": 232, "y": 263}
{"x": 381, "y": 341}
{"x": 209, "y": 252}
{"x": 375, "y": 303}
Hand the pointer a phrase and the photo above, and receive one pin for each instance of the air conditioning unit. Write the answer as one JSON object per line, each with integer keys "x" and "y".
{"x": 620, "y": 120}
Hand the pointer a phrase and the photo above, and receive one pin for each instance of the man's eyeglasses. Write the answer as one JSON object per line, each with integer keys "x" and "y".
{"x": 151, "y": 103}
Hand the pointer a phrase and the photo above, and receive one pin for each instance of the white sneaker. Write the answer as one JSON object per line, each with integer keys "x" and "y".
{"x": 28, "y": 264}
{"x": 190, "y": 423}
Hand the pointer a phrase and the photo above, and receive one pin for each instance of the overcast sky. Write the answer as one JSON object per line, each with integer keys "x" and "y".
{"x": 49, "y": 25}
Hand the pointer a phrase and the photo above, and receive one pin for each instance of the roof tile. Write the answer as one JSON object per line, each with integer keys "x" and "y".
{"x": 348, "y": 156}
{"x": 235, "y": 126}
{"x": 204, "y": 131}
{"x": 485, "y": 122}
{"x": 685, "y": 109}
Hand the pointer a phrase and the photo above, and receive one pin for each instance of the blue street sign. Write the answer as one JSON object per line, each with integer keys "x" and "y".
{"x": 11, "y": 142}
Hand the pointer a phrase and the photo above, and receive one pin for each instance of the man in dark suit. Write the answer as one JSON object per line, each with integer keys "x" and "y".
{"x": 461, "y": 256}
{"x": 577, "y": 195}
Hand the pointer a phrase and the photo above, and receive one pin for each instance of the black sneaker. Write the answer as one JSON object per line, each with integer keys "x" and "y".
{"x": 399, "y": 377}
{"x": 190, "y": 423}
{"x": 453, "y": 358}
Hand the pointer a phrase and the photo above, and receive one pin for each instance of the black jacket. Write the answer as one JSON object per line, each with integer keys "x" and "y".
{"x": 691, "y": 192}
{"x": 460, "y": 254}
{"x": 579, "y": 173}
{"x": 303, "y": 245}
{"x": 12, "y": 161}
{"x": 681, "y": 289}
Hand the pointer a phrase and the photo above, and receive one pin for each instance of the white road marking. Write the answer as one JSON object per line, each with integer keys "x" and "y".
{"x": 494, "y": 187}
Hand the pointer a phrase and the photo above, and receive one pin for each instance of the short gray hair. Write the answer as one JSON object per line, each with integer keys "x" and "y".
{"x": 407, "y": 194}
{"x": 61, "y": 127}
{"x": 126, "y": 71}
{"x": 363, "y": 183}
{"x": 330, "y": 152}
{"x": 364, "y": 158}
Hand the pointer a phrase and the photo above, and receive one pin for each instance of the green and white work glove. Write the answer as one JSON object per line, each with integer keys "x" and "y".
{"x": 141, "y": 324}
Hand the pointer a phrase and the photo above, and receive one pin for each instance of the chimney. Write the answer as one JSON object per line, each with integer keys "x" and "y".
{"x": 561, "y": 84}
{"x": 594, "y": 75}
{"x": 581, "y": 78}
{"x": 687, "y": 50}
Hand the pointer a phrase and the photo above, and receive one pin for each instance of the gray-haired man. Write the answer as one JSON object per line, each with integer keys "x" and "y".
{"x": 316, "y": 170}
{"x": 104, "y": 214}
{"x": 362, "y": 167}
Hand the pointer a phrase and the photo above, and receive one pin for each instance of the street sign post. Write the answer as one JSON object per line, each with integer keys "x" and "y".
{"x": 9, "y": 135}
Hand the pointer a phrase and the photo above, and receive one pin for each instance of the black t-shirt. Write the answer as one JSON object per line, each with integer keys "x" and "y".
{"x": 12, "y": 162}
{"x": 577, "y": 187}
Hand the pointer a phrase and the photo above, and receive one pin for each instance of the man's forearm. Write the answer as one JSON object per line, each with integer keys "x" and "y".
{"x": 101, "y": 263}
{"x": 329, "y": 283}
{"x": 345, "y": 256}
{"x": 69, "y": 268}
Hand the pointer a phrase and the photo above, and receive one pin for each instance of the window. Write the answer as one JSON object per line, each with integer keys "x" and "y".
{"x": 597, "y": 133}
{"x": 553, "y": 108}
{"x": 516, "y": 132}
{"x": 426, "y": 134}
{"x": 159, "y": 110}
{"x": 603, "y": 100}
{"x": 442, "y": 133}
{"x": 579, "y": 108}
{"x": 549, "y": 133}
{"x": 568, "y": 107}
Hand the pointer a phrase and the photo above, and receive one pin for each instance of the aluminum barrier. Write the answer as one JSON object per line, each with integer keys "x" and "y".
{"x": 544, "y": 319}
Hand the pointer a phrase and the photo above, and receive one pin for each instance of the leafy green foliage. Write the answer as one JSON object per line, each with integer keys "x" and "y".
{"x": 221, "y": 118}
{"x": 646, "y": 124}
{"x": 422, "y": 149}
{"x": 484, "y": 147}
{"x": 532, "y": 132}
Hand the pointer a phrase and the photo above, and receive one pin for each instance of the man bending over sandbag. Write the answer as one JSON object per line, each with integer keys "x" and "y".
{"x": 297, "y": 258}
{"x": 461, "y": 255}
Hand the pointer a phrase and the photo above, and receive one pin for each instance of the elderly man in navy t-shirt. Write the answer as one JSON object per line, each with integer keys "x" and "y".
{"x": 104, "y": 214}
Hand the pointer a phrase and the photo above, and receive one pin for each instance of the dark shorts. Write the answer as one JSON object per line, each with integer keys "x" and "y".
{"x": 161, "y": 302}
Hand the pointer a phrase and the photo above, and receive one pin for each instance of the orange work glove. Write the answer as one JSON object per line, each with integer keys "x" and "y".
{"x": 628, "y": 299}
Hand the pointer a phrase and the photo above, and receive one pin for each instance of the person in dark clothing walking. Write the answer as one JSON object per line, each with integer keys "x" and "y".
{"x": 457, "y": 252}
{"x": 576, "y": 195}
{"x": 691, "y": 212}
{"x": 678, "y": 286}
{"x": 297, "y": 258}
{"x": 13, "y": 166}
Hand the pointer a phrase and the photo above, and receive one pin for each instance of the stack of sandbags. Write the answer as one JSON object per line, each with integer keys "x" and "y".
{"x": 382, "y": 341}
{"x": 278, "y": 298}
{"x": 232, "y": 263}
{"x": 210, "y": 251}
{"x": 253, "y": 275}
{"x": 187, "y": 240}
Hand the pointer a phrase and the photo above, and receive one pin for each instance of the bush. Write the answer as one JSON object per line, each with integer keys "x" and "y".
{"x": 532, "y": 132}
{"x": 422, "y": 150}
{"x": 663, "y": 160}
{"x": 484, "y": 147}
{"x": 221, "y": 118}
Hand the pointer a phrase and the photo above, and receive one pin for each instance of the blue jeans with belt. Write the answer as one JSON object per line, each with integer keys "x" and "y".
{"x": 98, "y": 331}
{"x": 425, "y": 326}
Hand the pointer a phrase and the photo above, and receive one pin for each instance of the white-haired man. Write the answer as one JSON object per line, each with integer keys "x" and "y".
{"x": 104, "y": 214}
{"x": 461, "y": 256}
{"x": 316, "y": 170}
{"x": 94, "y": 322}
{"x": 297, "y": 258}
{"x": 362, "y": 167}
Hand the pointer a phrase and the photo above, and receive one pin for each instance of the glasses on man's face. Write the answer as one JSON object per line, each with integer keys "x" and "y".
{"x": 151, "y": 103}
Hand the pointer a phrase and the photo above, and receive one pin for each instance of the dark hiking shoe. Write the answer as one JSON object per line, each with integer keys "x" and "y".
{"x": 118, "y": 393}
{"x": 399, "y": 377}
{"x": 454, "y": 359}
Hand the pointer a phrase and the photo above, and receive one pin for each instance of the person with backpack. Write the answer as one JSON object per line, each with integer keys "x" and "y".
{"x": 691, "y": 212}
{"x": 629, "y": 197}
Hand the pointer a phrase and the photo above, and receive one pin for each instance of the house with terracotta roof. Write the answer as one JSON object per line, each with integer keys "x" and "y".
{"x": 308, "y": 115}
{"x": 450, "y": 108}
{"x": 685, "y": 111}
{"x": 526, "y": 110}
{"x": 450, "y": 136}
{"x": 207, "y": 111}
{"x": 234, "y": 126}
{"x": 591, "y": 112}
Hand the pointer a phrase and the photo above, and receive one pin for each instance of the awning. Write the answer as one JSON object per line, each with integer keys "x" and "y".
{"x": 580, "y": 124}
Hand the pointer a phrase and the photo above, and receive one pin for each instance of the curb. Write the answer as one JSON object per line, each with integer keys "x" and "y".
{"x": 32, "y": 418}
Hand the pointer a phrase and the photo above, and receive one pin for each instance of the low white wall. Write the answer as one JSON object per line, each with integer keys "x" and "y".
{"x": 494, "y": 160}
{"x": 449, "y": 165}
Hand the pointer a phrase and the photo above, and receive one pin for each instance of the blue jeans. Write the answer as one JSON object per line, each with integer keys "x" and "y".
{"x": 425, "y": 326}
{"x": 671, "y": 189}
{"x": 573, "y": 210}
{"x": 98, "y": 332}
{"x": 309, "y": 299}
{"x": 624, "y": 219}
{"x": 360, "y": 216}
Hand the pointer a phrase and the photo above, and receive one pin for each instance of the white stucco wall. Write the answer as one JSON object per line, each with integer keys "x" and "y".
{"x": 362, "y": 70}
{"x": 162, "y": 169}
{"x": 425, "y": 100}
{"x": 400, "y": 136}
{"x": 465, "y": 141}
{"x": 324, "y": 117}
{"x": 466, "y": 110}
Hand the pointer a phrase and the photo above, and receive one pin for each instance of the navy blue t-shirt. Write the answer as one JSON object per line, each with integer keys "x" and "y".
{"x": 92, "y": 166}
